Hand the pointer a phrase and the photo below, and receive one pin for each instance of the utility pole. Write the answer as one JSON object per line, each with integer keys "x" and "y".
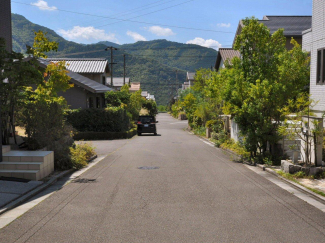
{"x": 112, "y": 63}
{"x": 124, "y": 70}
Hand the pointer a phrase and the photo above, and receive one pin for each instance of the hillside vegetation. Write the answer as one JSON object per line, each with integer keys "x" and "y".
{"x": 153, "y": 63}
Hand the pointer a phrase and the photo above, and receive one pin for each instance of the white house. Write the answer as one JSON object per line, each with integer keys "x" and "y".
{"x": 314, "y": 42}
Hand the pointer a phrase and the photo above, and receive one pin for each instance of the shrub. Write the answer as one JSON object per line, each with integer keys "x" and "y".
{"x": 80, "y": 155}
{"x": 113, "y": 119}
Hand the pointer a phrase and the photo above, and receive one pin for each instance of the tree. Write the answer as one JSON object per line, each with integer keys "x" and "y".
{"x": 16, "y": 73}
{"x": 261, "y": 83}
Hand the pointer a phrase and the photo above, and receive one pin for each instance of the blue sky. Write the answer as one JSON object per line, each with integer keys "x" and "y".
{"x": 152, "y": 19}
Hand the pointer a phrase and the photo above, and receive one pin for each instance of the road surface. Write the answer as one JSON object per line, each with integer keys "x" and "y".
{"x": 186, "y": 191}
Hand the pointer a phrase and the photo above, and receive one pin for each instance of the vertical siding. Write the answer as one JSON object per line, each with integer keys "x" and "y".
{"x": 318, "y": 41}
{"x": 5, "y": 23}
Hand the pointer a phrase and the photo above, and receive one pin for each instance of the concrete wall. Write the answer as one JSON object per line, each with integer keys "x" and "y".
{"x": 234, "y": 130}
{"x": 5, "y": 23}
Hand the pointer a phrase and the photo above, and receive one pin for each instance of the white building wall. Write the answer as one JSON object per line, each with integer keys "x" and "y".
{"x": 307, "y": 40}
{"x": 318, "y": 41}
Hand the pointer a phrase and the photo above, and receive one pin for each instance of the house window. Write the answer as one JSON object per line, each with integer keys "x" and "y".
{"x": 97, "y": 102}
{"x": 320, "y": 78}
{"x": 103, "y": 80}
{"x": 91, "y": 102}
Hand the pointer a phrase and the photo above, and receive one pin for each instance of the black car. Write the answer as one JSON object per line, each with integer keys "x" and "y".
{"x": 146, "y": 124}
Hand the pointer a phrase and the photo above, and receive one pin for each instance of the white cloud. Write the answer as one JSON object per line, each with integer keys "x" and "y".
{"x": 159, "y": 31}
{"x": 206, "y": 43}
{"x": 87, "y": 34}
{"x": 42, "y": 5}
{"x": 224, "y": 25}
{"x": 136, "y": 36}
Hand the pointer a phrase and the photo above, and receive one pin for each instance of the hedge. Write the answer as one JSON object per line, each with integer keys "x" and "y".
{"x": 104, "y": 135}
{"x": 99, "y": 120}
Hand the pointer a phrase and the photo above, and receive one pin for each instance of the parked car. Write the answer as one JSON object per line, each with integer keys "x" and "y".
{"x": 146, "y": 124}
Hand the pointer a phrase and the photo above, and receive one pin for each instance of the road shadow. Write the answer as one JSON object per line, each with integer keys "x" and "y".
{"x": 149, "y": 135}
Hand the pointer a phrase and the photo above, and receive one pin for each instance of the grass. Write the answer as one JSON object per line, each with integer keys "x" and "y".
{"x": 294, "y": 179}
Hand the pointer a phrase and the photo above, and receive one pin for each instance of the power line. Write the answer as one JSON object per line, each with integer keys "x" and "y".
{"x": 134, "y": 21}
{"x": 147, "y": 13}
{"x": 144, "y": 7}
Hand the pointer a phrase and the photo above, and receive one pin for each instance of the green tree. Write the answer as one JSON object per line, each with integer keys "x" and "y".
{"x": 261, "y": 83}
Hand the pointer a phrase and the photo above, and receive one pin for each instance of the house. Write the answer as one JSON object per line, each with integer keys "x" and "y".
{"x": 135, "y": 87}
{"x": 86, "y": 92}
{"x": 96, "y": 69}
{"x": 144, "y": 94}
{"x": 225, "y": 54}
{"x": 151, "y": 97}
{"x": 190, "y": 78}
{"x": 117, "y": 82}
{"x": 185, "y": 85}
{"x": 314, "y": 42}
{"x": 5, "y": 26}
{"x": 293, "y": 27}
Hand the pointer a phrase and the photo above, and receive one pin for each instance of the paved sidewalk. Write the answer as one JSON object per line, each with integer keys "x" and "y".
{"x": 11, "y": 190}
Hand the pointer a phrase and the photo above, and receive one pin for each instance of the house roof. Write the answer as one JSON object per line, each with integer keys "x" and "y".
{"x": 225, "y": 54}
{"x": 292, "y": 25}
{"x": 81, "y": 81}
{"x": 135, "y": 86}
{"x": 190, "y": 76}
{"x": 117, "y": 82}
{"x": 84, "y": 65}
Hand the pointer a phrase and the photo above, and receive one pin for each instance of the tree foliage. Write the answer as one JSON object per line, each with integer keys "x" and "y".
{"x": 261, "y": 83}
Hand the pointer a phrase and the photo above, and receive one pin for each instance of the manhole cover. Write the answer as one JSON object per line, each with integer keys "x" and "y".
{"x": 148, "y": 168}
{"x": 83, "y": 180}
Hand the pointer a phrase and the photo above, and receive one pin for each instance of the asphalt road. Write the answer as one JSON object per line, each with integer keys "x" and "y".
{"x": 195, "y": 194}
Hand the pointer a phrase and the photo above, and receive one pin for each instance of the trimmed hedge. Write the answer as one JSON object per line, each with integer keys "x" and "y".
{"x": 99, "y": 120}
{"x": 104, "y": 135}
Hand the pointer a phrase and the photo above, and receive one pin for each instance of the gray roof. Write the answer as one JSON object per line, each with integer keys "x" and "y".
{"x": 84, "y": 65}
{"x": 117, "y": 82}
{"x": 225, "y": 54}
{"x": 81, "y": 81}
{"x": 190, "y": 76}
{"x": 292, "y": 25}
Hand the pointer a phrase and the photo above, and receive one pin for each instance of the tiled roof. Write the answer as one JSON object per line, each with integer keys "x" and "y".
{"x": 190, "y": 76}
{"x": 84, "y": 65}
{"x": 292, "y": 25}
{"x": 81, "y": 81}
{"x": 225, "y": 54}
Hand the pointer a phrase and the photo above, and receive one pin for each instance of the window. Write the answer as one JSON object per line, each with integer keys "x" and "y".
{"x": 91, "y": 102}
{"x": 103, "y": 80}
{"x": 320, "y": 78}
{"x": 97, "y": 102}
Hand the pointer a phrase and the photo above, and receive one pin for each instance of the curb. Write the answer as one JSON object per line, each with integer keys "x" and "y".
{"x": 264, "y": 168}
{"x": 34, "y": 192}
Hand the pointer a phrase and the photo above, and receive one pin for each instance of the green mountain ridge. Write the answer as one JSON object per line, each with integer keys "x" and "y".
{"x": 153, "y": 63}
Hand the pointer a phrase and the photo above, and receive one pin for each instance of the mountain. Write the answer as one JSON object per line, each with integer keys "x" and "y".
{"x": 153, "y": 63}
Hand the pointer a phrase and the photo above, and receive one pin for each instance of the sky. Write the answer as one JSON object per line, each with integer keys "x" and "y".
{"x": 210, "y": 23}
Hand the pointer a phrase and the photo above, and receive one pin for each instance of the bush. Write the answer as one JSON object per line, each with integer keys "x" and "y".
{"x": 113, "y": 119}
{"x": 80, "y": 155}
